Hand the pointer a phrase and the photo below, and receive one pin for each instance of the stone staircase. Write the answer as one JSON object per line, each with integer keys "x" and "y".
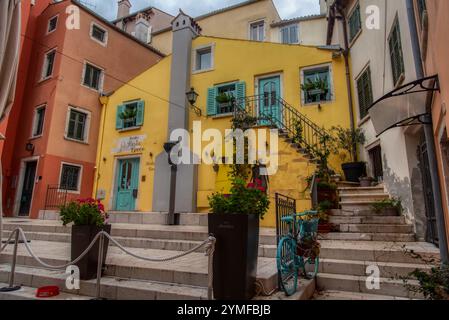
{"x": 367, "y": 238}
{"x": 127, "y": 277}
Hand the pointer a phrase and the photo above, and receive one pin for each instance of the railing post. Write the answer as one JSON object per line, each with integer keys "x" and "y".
{"x": 99, "y": 266}
{"x": 11, "y": 286}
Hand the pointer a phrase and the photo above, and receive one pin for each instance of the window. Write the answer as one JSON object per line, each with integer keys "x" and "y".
{"x": 38, "y": 123}
{"x": 49, "y": 62}
{"x": 130, "y": 115}
{"x": 365, "y": 92}
{"x": 99, "y": 34}
{"x": 52, "y": 24}
{"x": 221, "y": 98}
{"x": 92, "y": 77}
{"x": 257, "y": 31}
{"x": 316, "y": 85}
{"x": 375, "y": 155}
{"x": 289, "y": 34}
{"x": 396, "y": 55}
{"x": 355, "y": 23}
{"x": 204, "y": 59}
{"x": 70, "y": 177}
{"x": 77, "y": 125}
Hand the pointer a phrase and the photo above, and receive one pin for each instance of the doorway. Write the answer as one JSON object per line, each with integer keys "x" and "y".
{"x": 127, "y": 184}
{"x": 269, "y": 103}
{"x": 432, "y": 232}
{"x": 26, "y": 194}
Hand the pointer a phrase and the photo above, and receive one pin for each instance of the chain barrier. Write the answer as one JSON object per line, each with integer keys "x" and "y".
{"x": 18, "y": 233}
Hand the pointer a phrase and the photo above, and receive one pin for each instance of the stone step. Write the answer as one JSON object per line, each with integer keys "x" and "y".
{"x": 368, "y": 236}
{"x": 148, "y": 231}
{"x": 371, "y": 197}
{"x": 189, "y": 270}
{"x": 359, "y": 268}
{"x": 390, "y": 220}
{"x": 306, "y": 290}
{"x": 380, "y": 251}
{"x": 28, "y": 293}
{"x": 344, "y": 295}
{"x": 357, "y": 284}
{"x": 347, "y": 184}
{"x": 111, "y": 288}
{"x": 361, "y": 190}
{"x": 360, "y": 211}
{"x": 145, "y": 243}
{"x": 357, "y": 205}
{"x": 377, "y": 228}
{"x": 186, "y": 219}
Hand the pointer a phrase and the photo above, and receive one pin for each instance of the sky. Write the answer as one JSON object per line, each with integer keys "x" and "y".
{"x": 287, "y": 8}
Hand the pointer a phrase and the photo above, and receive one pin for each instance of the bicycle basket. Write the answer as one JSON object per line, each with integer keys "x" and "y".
{"x": 308, "y": 229}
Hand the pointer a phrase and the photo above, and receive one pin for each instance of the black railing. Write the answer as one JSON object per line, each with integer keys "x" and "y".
{"x": 58, "y": 196}
{"x": 273, "y": 111}
{"x": 285, "y": 207}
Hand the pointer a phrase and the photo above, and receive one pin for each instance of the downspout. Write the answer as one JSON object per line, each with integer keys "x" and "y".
{"x": 430, "y": 142}
{"x": 104, "y": 102}
{"x": 342, "y": 18}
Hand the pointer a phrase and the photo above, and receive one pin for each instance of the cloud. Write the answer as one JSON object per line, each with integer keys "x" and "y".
{"x": 287, "y": 8}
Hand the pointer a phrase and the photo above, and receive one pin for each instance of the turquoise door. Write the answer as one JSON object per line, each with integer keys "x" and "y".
{"x": 127, "y": 184}
{"x": 269, "y": 105}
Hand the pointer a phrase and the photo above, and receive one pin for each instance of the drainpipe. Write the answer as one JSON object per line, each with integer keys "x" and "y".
{"x": 342, "y": 18}
{"x": 104, "y": 100}
{"x": 430, "y": 142}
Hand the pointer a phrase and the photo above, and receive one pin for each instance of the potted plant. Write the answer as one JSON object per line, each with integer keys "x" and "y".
{"x": 234, "y": 221}
{"x": 366, "y": 181}
{"x": 327, "y": 192}
{"x": 323, "y": 213}
{"x": 128, "y": 116}
{"x": 347, "y": 141}
{"x": 225, "y": 102}
{"x": 388, "y": 207}
{"x": 88, "y": 218}
{"x": 316, "y": 88}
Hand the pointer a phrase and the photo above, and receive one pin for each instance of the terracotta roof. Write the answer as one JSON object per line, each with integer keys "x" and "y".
{"x": 139, "y": 11}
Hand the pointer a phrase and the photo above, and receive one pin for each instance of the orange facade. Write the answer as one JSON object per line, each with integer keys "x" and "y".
{"x": 63, "y": 94}
{"x": 433, "y": 26}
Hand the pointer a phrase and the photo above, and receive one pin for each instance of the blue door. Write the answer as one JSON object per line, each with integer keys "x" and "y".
{"x": 269, "y": 104}
{"x": 127, "y": 184}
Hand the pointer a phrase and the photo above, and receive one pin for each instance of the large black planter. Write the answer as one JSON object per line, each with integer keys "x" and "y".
{"x": 235, "y": 257}
{"x": 82, "y": 236}
{"x": 354, "y": 170}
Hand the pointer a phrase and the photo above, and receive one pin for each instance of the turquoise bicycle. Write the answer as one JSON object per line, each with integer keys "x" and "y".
{"x": 298, "y": 251}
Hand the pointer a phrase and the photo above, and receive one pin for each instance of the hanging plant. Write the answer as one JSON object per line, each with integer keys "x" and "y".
{"x": 128, "y": 113}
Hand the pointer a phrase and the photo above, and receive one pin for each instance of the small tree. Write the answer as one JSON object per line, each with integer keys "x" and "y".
{"x": 348, "y": 140}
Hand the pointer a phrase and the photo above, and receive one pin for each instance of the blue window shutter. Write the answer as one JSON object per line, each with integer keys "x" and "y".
{"x": 118, "y": 120}
{"x": 211, "y": 102}
{"x": 140, "y": 113}
{"x": 241, "y": 90}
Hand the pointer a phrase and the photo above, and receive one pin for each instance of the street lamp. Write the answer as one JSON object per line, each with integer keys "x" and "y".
{"x": 192, "y": 97}
{"x": 172, "y": 218}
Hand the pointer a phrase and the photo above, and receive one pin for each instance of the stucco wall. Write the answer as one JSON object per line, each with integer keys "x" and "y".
{"x": 255, "y": 60}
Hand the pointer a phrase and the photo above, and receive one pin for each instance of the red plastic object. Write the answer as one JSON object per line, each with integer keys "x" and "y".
{"x": 47, "y": 292}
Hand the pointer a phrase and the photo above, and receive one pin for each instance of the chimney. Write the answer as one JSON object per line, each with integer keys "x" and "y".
{"x": 142, "y": 28}
{"x": 185, "y": 29}
{"x": 124, "y": 7}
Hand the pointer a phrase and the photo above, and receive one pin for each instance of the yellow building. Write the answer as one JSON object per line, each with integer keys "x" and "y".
{"x": 266, "y": 79}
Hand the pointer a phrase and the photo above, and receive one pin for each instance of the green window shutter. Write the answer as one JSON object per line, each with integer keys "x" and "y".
{"x": 241, "y": 89}
{"x": 211, "y": 102}
{"x": 118, "y": 120}
{"x": 140, "y": 113}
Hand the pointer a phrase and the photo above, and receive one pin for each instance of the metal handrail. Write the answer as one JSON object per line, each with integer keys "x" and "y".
{"x": 302, "y": 130}
{"x": 209, "y": 244}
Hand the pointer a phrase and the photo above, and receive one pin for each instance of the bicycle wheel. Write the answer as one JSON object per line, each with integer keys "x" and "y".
{"x": 310, "y": 266}
{"x": 287, "y": 265}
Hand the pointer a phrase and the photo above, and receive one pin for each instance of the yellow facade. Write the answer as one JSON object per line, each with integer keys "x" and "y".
{"x": 233, "y": 23}
{"x": 234, "y": 60}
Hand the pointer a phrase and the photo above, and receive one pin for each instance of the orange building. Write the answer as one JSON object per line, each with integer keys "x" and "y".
{"x": 431, "y": 17}
{"x": 51, "y": 145}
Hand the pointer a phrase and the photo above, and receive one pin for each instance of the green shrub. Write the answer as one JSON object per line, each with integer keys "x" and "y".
{"x": 243, "y": 199}
{"x": 381, "y": 205}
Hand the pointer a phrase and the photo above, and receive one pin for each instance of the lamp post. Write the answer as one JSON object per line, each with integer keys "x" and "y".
{"x": 172, "y": 218}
